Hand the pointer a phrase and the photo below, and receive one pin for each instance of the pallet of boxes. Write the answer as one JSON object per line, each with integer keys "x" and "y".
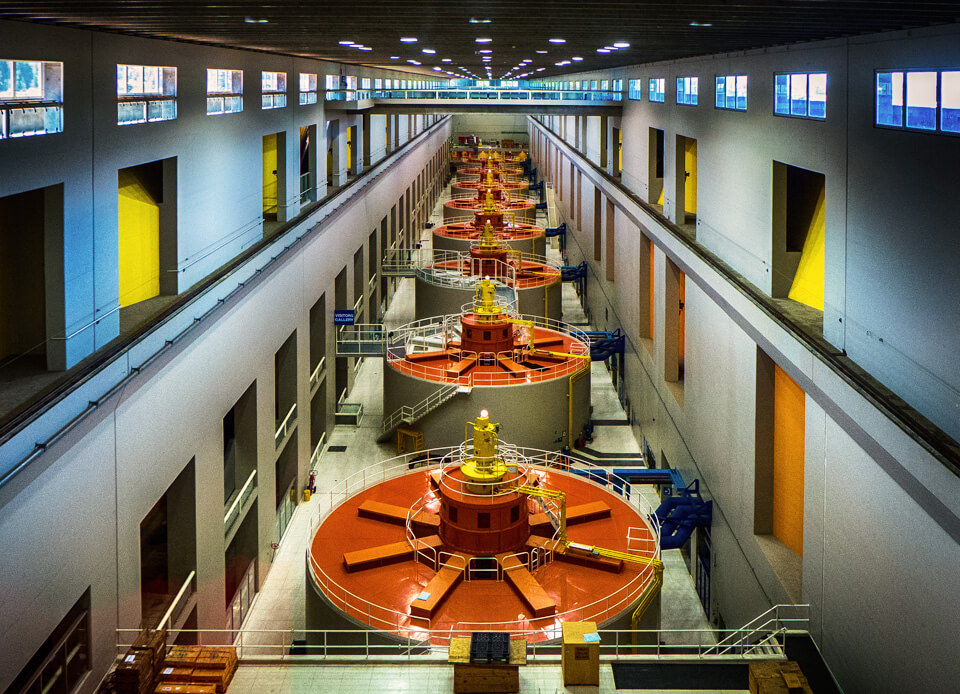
{"x": 777, "y": 677}
{"x": 197, "y": 670}
{"x": 138, "y": 668}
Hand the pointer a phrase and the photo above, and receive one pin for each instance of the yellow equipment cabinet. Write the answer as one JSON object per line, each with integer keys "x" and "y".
{"x": 580, "y": 655}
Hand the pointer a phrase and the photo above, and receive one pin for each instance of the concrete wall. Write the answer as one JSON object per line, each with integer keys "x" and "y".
{"x": 491, "y": 126}
{"x": 889, "y": 290}
{"x": 218, "y": 162}
{"x": 881, "y": 526}
{"x": 71, "y": 519}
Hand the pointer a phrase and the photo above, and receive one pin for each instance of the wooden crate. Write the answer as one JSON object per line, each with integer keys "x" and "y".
{"x": 473, "y": 678}
{"x": 777, "y": 677}
{"x": 580, "y": 660}
{"x": 177, "y": 688}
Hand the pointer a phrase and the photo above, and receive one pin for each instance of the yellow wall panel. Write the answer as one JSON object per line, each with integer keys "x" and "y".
{"x": 690, "y": 167}
{"x": 139, "y": 240}
{"x": 788, "y": 460}
{"x": 270, "y": 174}
{"x": 807, "y": 287}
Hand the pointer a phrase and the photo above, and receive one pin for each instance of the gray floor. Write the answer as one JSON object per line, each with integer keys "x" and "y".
{"x": 279, "y": 607}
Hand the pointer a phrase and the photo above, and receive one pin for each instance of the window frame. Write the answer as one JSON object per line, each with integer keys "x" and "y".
{"x": 685, "y": 80}
{"x": 790, "y": 114}
{"x": 938, "y": 111}
{"x": 49, "y": 103}
{"x": 166, "y": 94}
{"x": 276, "y": 97}
{"x": 736, "y": 89}
{"x": 310, "y": 91}
{"x": 661, "y": 91}
{"x": 235, "y": 94}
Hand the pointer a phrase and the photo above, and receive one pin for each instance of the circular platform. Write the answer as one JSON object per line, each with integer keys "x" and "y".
{"x": 381, "y": 595}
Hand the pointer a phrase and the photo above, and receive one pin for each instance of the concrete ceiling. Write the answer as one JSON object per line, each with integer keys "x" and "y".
{"x": 519, "y": 29}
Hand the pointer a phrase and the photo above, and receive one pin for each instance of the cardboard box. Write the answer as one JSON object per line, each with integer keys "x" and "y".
{"x": 777, "y": 677}
{"x": 580, "y": 656}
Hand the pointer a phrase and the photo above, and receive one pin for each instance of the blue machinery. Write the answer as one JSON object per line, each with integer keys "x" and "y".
{"x": 682, "y": 508}
{"x": 605, "y": 343}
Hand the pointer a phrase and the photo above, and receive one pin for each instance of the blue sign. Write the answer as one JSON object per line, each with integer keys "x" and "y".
{"x": 343, "y": 317}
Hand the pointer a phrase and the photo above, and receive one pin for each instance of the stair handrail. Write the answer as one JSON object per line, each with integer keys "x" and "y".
{"x": 758, "y": 625}
{"x": 415, "y": 412}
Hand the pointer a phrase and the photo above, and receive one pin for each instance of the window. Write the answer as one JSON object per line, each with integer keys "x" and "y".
{"x": 332, "y": 81}
{"x": 365, "y": 83}
{"x": 61, "y": 662}
{"x": 731, "y": 92}
{"x": 800, "y": 94}
{"x": 657, "y": 89}
{"x": 378, "y": 83}
{"x": 932, "y": 100}
{"x": 687, "y": 89}
{"x": 634, "y": 90}
{"x": 224, "y": 91}
{"x": 273, "y": 90}
{"x": 146, "y": 93}
{"x": 308, "y": 88}
{"x": 31, "y": 94}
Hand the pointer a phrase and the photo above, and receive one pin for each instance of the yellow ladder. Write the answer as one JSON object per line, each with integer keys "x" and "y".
{"x": 415, "y": 437}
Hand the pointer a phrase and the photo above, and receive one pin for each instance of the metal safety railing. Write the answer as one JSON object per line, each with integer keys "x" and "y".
{"x": 408, "y": 414}
{"x": 315, "y": 374}
{"x": 283, "y": 429}
{"x": 232, "y": 514}
{"x": 535, "y": 461}
{"x": 427, "y": 646}
{"x": 436, "y": 333}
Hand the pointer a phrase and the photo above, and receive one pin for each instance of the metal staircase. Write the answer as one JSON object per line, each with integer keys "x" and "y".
{"x": 408, "y": 415}
{"x": 763, "y": 636}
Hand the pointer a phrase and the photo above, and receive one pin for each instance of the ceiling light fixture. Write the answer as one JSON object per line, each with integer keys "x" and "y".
{"x": 577, "y": 58}
{"x": 394, "y": 57}
{"x": 621, "y": 44}
{"x": 429, "y": 51}
{"x": 407, "y": 39}
{"x": 446, "y": 60}
{"x": 542, "y": 52}
{"x": 480, "y": 21}
{"x": 540, "y": 69}
{"x": 701, "y": 24}
{"x": 610, "y": 48}
{"x": 485, "y": 51}
{"x": 254, "y": 20}
{"x": 483, "y": 40}
{"x": 602, "y": 50}
{"x": 346, "y": 43}
{"x": 364, "y": 48}
{"x": 415, "y": 62}
{"x": 436, "y": 68}
{"x": 558, "y": 40}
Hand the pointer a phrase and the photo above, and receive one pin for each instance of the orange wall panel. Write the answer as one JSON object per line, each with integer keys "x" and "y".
{"x": 788, "y": 458}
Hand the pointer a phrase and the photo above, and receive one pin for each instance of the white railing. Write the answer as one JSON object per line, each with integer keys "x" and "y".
{"x": 285, "y": 426}
{"x": 436, "y": 333}
{"x": 534, "y": 460}
{"x": 230, "y": 517}
{"x": 318, "y": 449}
{"x": 757, "y": 632}
{"x": 411, "y": 413}
{"x": 168, "y": 617}
{"x": 315, "y": 376}
{"x": 356, "y": 304}
{"x": 259, "y": 646}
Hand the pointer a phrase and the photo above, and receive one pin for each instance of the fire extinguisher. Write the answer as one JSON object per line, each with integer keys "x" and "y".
{"x": 313, "y": 481}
